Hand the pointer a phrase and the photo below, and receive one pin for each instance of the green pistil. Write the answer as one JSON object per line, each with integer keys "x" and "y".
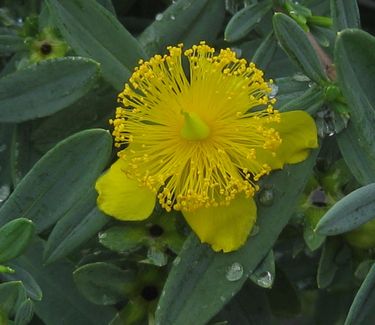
{"x": 194, "y": 128}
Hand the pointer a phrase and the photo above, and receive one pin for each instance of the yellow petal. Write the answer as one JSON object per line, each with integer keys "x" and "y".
{"x": 225, "y": 228}
{"x": 298, "y": 132}
{"x": 121, "y": 197}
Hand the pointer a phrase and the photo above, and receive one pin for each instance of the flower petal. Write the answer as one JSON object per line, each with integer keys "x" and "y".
{"x": 121, "y": 197}
{"x": 225, "y": 227}
{"x": 298, "y": 132}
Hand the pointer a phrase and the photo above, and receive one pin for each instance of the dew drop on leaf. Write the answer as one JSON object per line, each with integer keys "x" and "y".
{"x": 265, "y": 280}
{"x": 159, "y": 17}
{"x": 266, "y": 197}
{"x": 4, "y": 192}
{"x": 254, "y": 231}
{"x": 274, "y": 90}
{"x": 234, "y": 272}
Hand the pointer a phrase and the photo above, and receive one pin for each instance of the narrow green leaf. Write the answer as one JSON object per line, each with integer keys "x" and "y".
{"x": 63, "y": 175}
{"x": 356, "y": 84}
{"x": 345, "y": 14}
{"x": 288, "y": 90}
{"x": 91, "y": 111}
{"x": 33, "y": 290}
{"x": 80, "y": 223}
{"x": 93, "y": 31}
{"x": 15, "y": 236}
{"x": 11, "y": 295}
{"x": 265, "y": 52}
{"x": 45, "y": 88}
{"x": 362, "y": 309}
{"x": 296, "y": 44}
{"x": 349, "y": 213}
{"x": 6, "y": 137}
{"x": 310, "y": 101}
{"x": 327, "y": 267}
{"x": 24, "y": 313}
{"x": 61, "y": 303}
{"x": 123, "y": 238}
{"x": 103, "y": 283}
{"x": 249, "y": 307}
{"x": 11, "y": 43}
{"x": 244, "y": 20}
{"x": 198, "y": 285}
{"x": 184, "y": 21}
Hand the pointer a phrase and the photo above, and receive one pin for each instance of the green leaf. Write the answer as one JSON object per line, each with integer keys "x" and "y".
{"x": 11, "y": 295}
{"x": 354, "y": 57}
{"x": 63, "y": 175}
{"x": 91, "y": 111}
{"x": 357, "y": 154}
{"x": 80, "y": 223}
{"x": 349, "y": 213}
{"x": 248, "y": 307}
{"x": 327, "y": 267}
{"x": 244, "y": 20}
{"x": 6, "y": 269}
{"x": 345, "y": 14}
{"x": 104, "y": 283}
{"x": 310, "y": 101}
{"x": 45, "y": 88}
{"x": 184, "y": 21}
{"x": 288, "y": 90}
{"x": 198, "y": 281}
{"x": 11, "y": 43}
{"x": 363, "y": 269}
{"x": 61, "y": 303}
{"x": 297, "y": 46}
{"x": 93, "y": 31}
{"x": 265, "y": 52}
{"x": 362, "y": 309}
{"x": 33, "y": 290}
{"x": 312, "y": 239}
{"x": 24, "y": 313}
{"x": 15, "y": 236}
{"x": 123, "y": 238}
{"x": 6, "y": 139}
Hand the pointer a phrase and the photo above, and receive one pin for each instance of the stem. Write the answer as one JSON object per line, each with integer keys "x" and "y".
{"x": 326, "y": 61}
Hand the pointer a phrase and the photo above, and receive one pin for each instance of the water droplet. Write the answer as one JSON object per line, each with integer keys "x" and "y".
{"x": 4, "y": 192}
{"x": 3, "y": 147}
{"x": 234, "y": 272}
{"x": 310, "y": 84}
{"x": 254, "y": 231}
{"x": 157, "y": 257}
{"x": 159, "y": 17}
{"x": 102, "y": 235}
{"x": 173, "y": 17}
{"x": 300, "y": 77}
{"x": 238, "y": 51}
{"x": 107, "y": 300}
{"x": 265, "y": 280}
{"x": 266, "y": 197}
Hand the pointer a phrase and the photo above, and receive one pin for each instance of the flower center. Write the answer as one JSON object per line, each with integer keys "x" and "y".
{"x": 194, "y": 128}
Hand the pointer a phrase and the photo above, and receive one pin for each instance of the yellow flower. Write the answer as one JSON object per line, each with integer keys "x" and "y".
{"x": 198, "y": 142}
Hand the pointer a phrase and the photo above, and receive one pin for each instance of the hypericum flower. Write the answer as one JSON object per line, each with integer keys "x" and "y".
{"x": 199, "y": 141}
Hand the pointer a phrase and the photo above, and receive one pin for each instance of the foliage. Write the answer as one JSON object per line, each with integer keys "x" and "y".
{"x": 310, "y": 257}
